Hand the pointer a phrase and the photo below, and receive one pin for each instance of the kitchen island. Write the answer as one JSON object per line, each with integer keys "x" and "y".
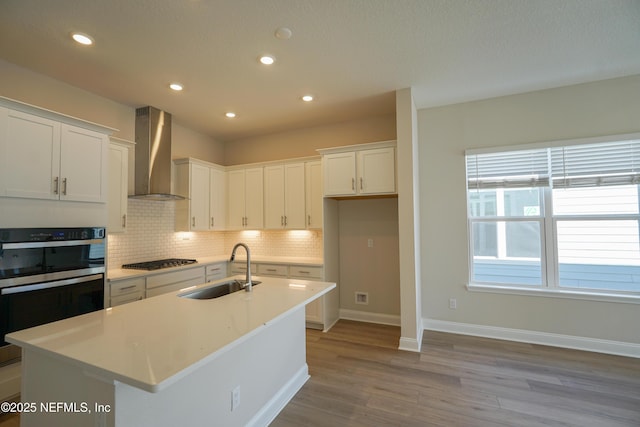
{"x": 169, "y": 360}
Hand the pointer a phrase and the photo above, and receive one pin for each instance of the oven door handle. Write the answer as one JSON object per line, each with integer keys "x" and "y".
{"x": 50, "y": 244}
{"x": 48, "y": 285}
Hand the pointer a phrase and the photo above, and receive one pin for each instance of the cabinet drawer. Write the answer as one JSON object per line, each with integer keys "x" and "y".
{"x": 159, "y": 290}
{"x": 303, "y": 272}
{"x": 217, "y": 271}
{"x": 124, "y": 287}
{"x": 126, "y": 298}
{"x": 190, "y": 274}
{"x": 272, "y": 270}
{"x": 240, "y": 267}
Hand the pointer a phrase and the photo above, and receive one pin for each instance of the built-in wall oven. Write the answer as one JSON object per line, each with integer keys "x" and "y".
{"x": 47, "y": 275}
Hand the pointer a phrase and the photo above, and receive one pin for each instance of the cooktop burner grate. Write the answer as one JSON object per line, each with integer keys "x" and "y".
{"x": 161, "y": 263}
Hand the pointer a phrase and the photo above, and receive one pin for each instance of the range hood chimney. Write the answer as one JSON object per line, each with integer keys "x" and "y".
{"x": 153, "y": 155}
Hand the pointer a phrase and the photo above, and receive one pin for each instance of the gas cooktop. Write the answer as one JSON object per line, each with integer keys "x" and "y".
{"x": 161, "y": 263}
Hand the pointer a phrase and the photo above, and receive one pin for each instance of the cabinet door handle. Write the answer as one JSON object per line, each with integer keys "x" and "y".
{"x": 272, "y": 269}
{"x": 285, "y": 220}
{"x": 308, "y": 219}
{"x": 126, "y": 288}
{"x": 212, "y": 221}
{"x": 56, "y": 181}
{"x": 124, "y": 221}
{"x": 64, "y": 186}
{"x": 353, "y": 183}
{"x": 304, "y": 272}
{"x": 193, "y": 221}
{"x": 281, "y": 220}
{"x": 361, "y": 183}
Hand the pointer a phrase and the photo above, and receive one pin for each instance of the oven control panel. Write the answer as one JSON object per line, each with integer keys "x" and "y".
{"x": 14, "y": 235}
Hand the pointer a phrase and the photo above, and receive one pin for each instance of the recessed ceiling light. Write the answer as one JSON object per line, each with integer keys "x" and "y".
{"x": 307, "y": 98}
{"x": 267, "y": 59}
{"x": 230, "y": 114}
{"x": 176, "y": 86}
{"x": 82, "y": 38}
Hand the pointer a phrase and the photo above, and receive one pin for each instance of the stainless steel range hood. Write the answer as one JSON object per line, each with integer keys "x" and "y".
{"x": 153, "y": 155}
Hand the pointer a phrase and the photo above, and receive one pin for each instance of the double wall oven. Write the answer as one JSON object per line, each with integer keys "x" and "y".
{"x": 46, "y": 275}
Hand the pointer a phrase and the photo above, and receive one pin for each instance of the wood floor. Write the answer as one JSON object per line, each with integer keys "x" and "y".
{"x": 359, "y": 378}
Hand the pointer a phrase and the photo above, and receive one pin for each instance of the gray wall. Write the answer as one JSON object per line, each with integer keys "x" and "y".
{"x": 593, "y": 109}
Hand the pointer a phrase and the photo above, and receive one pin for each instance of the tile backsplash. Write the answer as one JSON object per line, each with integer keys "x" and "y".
{"x": 150, "y": 235}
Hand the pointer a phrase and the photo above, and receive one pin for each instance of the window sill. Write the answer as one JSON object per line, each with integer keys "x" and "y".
{"x": 555, "y": 293}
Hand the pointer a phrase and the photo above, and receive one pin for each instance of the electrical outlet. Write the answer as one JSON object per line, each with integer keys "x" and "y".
{"x": 235, "y": 398}
{"x": 370, "y": 243}
{"x": 453, "y": 304}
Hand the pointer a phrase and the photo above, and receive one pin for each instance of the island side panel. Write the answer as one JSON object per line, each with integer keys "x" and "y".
{"x": 62, "y": 395}
{"x": 268, "y": 368}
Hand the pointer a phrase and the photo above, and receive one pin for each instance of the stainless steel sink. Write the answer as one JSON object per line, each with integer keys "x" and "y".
{"x": 218, "y": 290}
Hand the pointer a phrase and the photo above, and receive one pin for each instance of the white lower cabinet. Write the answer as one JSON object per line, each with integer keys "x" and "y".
{"x": 240, "y": 267}
{"x": 275, "y": 270}
{"x": 314, "y": 310}
{"x": 215, "y": 272}
{"x": 126, "y": 290}
{"x": 122, "y": 291}
{"x": 174, "y": 281}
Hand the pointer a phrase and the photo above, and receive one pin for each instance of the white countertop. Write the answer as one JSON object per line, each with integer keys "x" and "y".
{"x": 121, "y": 273}
{"x": 151, "y": 343}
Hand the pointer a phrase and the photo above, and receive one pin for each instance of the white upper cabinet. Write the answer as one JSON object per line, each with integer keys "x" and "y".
{"x": 245, "y": 199}
{"x": 118, "y": 185}
{"x": 30, "y": 155}
{"x": 45, "y": 155}
{"x": 202, "y": 184}
{"x": 313, "y": 194}
{"x": 376, "y": 171}
{"x": 365, "y": 169}
{"x": 217, "y": 199}
{"x": 83, "y": 165}
{"x": 284, "y": 202}
{"x": 340, "y": 173}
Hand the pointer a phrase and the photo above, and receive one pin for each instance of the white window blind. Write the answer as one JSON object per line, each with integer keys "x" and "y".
{"x": 591, "y": 165}
{"x": 585, "y": 165}
{"x": 510, "y": 169}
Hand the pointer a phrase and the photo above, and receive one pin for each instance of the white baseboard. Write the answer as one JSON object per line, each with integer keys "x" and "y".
{"x": 521, "y": 335}
{"x": 270, "y": 411}
{"x": 409, "y": 344}
{"x": 364, "y": 316}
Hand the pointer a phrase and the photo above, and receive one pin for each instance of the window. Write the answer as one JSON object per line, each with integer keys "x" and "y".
{"x": 557, "y": 217}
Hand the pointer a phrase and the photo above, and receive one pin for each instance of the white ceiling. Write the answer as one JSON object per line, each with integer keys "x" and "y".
{"x": 351, "y": 54}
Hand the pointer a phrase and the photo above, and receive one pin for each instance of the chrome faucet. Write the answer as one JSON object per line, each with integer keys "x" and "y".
{"x": 247, "y": 285}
